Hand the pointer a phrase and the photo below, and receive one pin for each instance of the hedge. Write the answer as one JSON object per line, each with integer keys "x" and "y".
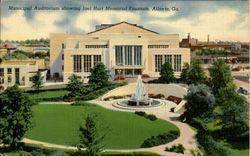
{"x": 151, "y": 117}
{"x": 161, "y": 139}
{"x": 30, "y": 149}
{"x": 95, "y": 94}
{"x": 205, "y": 139}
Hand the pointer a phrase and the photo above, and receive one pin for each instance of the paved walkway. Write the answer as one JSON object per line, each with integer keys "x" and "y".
{"x": 186, "y": 137}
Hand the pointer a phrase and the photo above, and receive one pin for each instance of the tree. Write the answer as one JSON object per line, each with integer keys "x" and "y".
{"x": 15, "y": 116}
{"x": 99, "y": 76}
{"x": 90, "y": 135}
{"x": 75, "y": 86}
{"x": 37, "y": 81}
{"x": 220, "y": 75}
{"x": 200, "y": 102}
{"x": 234, "y": 112}
{"x": 166, "y": 74}
{"x": 184, "y": 72}
{"x": 196, "y": 74}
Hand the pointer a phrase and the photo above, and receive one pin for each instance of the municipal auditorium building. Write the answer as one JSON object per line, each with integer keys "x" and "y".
{"x": 124, "y": 48}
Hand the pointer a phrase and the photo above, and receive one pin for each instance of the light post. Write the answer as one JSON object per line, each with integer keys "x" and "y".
{"x": 119, "y": 72}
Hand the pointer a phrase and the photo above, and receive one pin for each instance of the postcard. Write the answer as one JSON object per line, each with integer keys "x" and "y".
{"x": 116, "y": 77}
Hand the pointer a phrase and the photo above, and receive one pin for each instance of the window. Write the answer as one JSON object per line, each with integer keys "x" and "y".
{"x": 1, "y": 71}
{"x": 158, "y": 63}
{"x": 23, "y": 78}
{"x": 177, "y": 63}
{"x": 62, "y": 56}
{"x": 30, "y": 79}
{"x": 118, "y": 55}
{"x": 17, "y": 75}
{"x": 87, "y": 63}
{"x": 1, "y": 80}
{"x": 9, "y": 70}
{"x": 97, "y": 59}
{"x": 128, "y": 55}
{"x": 168, "y": 58}
{"x": 62, "y": 67}
{"x": 97, "y": 46}
{"x": 137, "y": 55}
{"x": 158, "y": 46}
{"x": 63, "y": 45}
{"x": 9, "y": 79}
{"x": 77, "y": 63}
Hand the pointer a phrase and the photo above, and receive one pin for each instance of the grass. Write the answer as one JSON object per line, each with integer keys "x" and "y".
{"x": 48, "y": 94}
{"x": 59, "y": 124}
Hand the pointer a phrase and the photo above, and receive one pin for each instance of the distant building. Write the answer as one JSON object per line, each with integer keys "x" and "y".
{"x": 34, "y": 47}
{"x": 18, "y": 72}
{"x": 188, "y": 42}
{"x": 6, "y": 48}
{"x": 235, "y": 46}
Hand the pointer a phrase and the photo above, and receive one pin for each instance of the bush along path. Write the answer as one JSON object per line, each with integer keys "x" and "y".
{"x": 186, "y": 137}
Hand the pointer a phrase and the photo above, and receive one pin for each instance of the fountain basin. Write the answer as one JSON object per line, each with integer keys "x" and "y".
{"x": 131, "y": 103}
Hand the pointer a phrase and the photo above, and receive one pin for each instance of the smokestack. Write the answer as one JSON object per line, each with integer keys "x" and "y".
{"x": 188, "y": 36}
{"x": 208, "y": 38}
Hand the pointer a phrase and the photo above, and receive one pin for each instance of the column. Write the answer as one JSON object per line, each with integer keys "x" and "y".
{"x": 123, "y": 55}
{"x": 133, "y": 55}
{"x": 92, "y": 61}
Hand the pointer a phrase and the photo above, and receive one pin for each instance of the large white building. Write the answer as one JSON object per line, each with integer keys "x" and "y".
{"x": 124, "y": 48}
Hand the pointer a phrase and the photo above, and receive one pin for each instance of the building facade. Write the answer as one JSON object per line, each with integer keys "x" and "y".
{"x": 18, "y": 72}
{"x": 124, "y": 48}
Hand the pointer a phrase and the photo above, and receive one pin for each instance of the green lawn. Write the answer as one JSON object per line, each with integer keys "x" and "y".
{"x": 59, "y": 124}
{"x": 48, "y": 94}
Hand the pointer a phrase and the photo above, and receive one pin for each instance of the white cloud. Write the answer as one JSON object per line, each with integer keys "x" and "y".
{"x": 86, "y": 20}
{"x": 221, "y": 25}
{"x": 18, "y": 28}
{"x": 161, "y": 14}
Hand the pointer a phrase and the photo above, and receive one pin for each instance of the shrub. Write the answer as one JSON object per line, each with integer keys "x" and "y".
{"x": 177, "y": 149}
{"x": 174, "y": 99}
{"x": 141, "y": 113}
{"x": 151, "y": 117}
{"x": 160, "y": 139}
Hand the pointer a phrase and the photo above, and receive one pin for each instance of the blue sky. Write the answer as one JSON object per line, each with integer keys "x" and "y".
{"x": 222, "y": 20}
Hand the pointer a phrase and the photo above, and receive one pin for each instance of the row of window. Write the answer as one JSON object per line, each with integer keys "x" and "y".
{"x": 161, "y": 59}
{"x": 9, "y": 80}
{"x": 158, "y": 46}
{"x": 9, "y": 71}
{"x": 97, "y": 46}
{"x": 84, "y": 63}
{"x": 124, "y": 55}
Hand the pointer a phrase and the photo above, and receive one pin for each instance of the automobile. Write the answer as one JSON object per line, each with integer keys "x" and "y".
{"x": 236, "y": 68}
{"x": 145, "y": 76}
{"x": 121, "y": 77}
{"x": 242, "y": 90}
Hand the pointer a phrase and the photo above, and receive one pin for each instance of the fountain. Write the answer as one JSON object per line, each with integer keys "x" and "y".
{"x": 139, "y": 98}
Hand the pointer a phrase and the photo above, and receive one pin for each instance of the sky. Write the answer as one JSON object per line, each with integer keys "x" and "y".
{"x": 222, "y": 20}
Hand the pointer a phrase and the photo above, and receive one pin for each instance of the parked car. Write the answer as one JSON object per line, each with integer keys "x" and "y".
{"x": 236, "y": 68}
{"x": 145, "y": 76}
{"x": 242, "y": 91}
{"x": 121, "y": 77}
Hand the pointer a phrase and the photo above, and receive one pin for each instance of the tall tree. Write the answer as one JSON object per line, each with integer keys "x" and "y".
{"x": 75, "y": 86}
{"x": 37, "y": 81}
{"x": 15, "y": 116}
{"x": 220, "y": 75}
{"x": 184, "y": 72}
{"x": 200, "y": 102}
{"x": 90, "y": 135}
{"x": 196, "y": 74}
{"x": 166, "y": 74}
{"x": 234, "y": 112}
{"x": 99, "y": 76}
